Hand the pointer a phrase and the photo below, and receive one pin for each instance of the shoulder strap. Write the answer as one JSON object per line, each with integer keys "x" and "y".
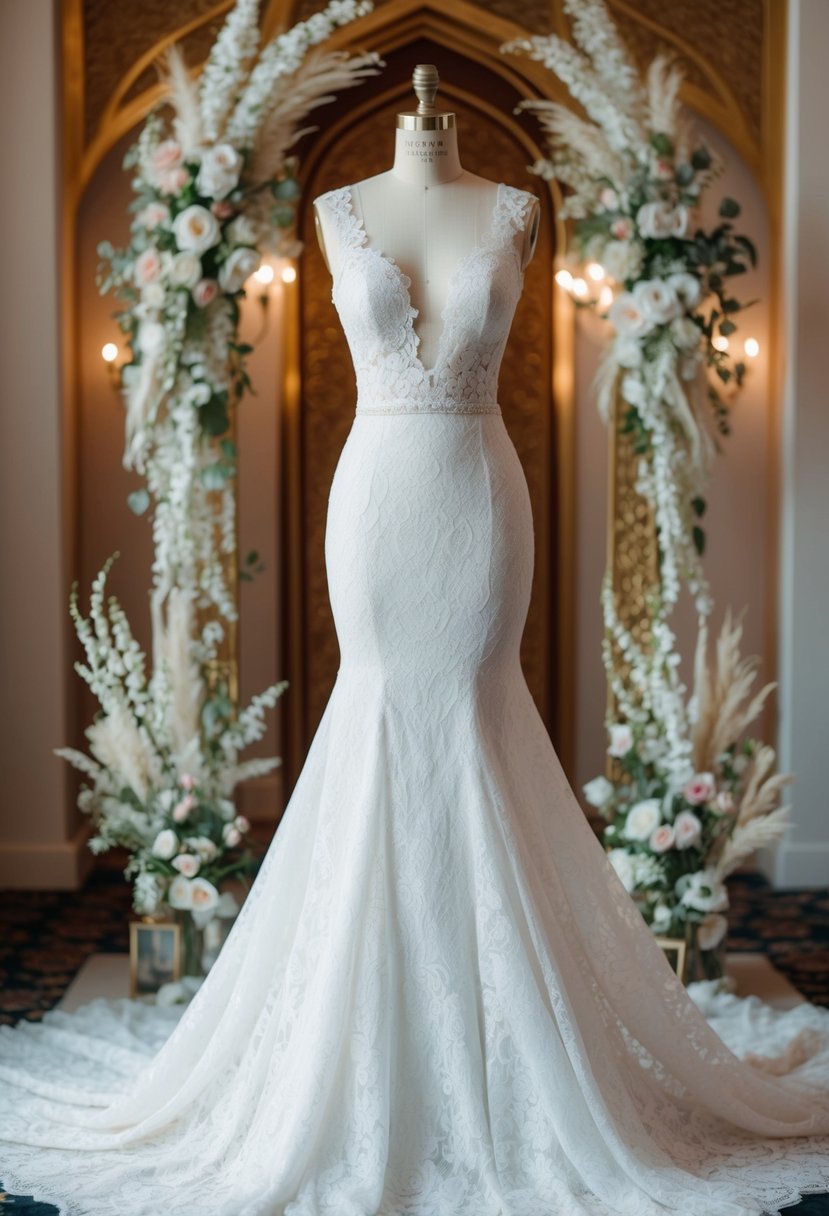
{"x": 350, "y": 234}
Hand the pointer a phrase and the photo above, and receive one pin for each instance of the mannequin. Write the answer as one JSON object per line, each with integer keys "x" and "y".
{"x": 427, "y": 211}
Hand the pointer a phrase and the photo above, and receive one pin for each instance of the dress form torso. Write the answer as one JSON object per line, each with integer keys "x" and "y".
{"x": 426, "y": 213}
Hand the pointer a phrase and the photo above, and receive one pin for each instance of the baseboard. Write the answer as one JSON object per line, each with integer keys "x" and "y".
{"x": 46, "y": 867}
{"x": 803, "y": 865}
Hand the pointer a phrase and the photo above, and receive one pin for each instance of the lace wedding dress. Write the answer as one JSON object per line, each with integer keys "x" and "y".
{"x": 437, "y": 1000}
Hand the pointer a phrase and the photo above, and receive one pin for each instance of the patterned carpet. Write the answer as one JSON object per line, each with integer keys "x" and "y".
{"x": 48, "y": 935}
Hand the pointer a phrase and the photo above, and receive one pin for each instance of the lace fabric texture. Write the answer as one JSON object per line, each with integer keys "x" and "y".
{"x": 437, "y": 1000}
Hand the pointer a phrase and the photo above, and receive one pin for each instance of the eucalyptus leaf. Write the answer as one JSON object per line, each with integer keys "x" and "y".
{"x": 730, "y": 208}
{"x": 138, "y": 501}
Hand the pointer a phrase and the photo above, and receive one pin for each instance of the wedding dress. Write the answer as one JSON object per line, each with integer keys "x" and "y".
{"x": 437, "y": 1000}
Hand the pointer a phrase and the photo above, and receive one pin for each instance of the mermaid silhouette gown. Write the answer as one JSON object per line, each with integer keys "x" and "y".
{"x": 438, "y": 1000}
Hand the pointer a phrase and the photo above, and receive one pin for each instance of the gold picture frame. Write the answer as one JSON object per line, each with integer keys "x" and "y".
{"x": 155, "y": 954}
{"x": 674, "y": 949}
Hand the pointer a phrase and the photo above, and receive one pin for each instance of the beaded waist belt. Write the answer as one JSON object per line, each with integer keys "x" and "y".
{"x": 410, "y": 407}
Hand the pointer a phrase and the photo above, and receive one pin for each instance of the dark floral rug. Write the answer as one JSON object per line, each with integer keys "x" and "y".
{"x": 48, "y": 935}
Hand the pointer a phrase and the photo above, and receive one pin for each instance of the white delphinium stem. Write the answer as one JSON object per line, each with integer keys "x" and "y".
{"x": 227, "y": 65}
{"x": 281, "y": 57}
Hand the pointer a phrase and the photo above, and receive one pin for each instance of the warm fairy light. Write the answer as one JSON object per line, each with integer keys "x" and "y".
{"x": 580, "y": 288}
{"x": 720, "y": 343}
{"x": 595, "y": 271}
{"x": 289, "y": 274}
{"x": 752, "y": 348}
{"x": 264, "y": 275}
{"x": 605, "y": 297}
{"x": 565, "y": 280}
{"x": 109, "y": 352}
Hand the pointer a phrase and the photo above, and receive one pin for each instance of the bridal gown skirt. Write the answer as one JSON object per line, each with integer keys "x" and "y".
{"x": 437, "y": 999}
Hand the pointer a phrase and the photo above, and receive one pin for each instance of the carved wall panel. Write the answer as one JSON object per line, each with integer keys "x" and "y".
{"x": 490, "y": 146}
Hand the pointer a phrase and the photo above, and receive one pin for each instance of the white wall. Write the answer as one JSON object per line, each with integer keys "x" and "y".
{"x": 39, "y": 837}
{"x": 803, "y": 858}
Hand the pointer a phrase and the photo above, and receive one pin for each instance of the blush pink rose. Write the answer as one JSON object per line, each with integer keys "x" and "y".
{"x": 222, "y": 209}
{"x": 182, "y": 809}
{"x": 173, "y": 180}
{"x": 147, "y": 266}
{"x": 688, "y": 829}
{"x": 231, "y": 835}
{"x": 724, "y": 802}
{"x": 662, "y": 838}
{"x": 188, "y": 780}
{"x": 701, "y": 788}
{"x": 153, "y": 214}
{"x": 205, "y": 292}
{"x": 622, "y": 229}
{"x": 168, "y": 155}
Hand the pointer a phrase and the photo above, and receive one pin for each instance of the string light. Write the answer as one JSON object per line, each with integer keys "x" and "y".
{"x": 595, "y": 271}
{"x": 605, "y": 297}
{"x": 288, "y": 274}
{"x": 752, "y": 348}
{"x": 109, "y": 352}
{"x": 580, "y": 288}
{"x": 565, "y": 280}
{"x": 264, "y": 275}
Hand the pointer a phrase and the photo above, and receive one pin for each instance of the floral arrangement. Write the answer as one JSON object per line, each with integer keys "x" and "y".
{"x": 695, "y": 794}
{"x": 164, "y": 759}
{"x": 692, "y": 796}
{"x": 214, "y": 189}
{"x": 636, "y": 171}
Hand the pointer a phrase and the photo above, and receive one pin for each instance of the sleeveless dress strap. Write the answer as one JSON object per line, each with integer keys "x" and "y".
{"x": 350, "y": 233}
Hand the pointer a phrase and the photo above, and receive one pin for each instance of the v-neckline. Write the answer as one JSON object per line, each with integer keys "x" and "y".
{"x": 405, "y": 281}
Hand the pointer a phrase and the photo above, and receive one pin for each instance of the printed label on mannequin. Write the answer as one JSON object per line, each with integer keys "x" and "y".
{"x": 426, "y": 149}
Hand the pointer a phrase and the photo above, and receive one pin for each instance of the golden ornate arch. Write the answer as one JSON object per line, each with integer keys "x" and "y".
{"x": 736, "y": 82}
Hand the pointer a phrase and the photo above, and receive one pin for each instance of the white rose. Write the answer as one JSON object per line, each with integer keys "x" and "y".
{"x": 153, "y": 295}
{"x": 242, "y": 231}
{"x": 151, "y": 337}
{"x": 711, "y": 931}
{"x": 628, "y": 352}
{"x": 196, "y": 229}
{"x": 656, "y": 220}
{"x": 185, "y": 270}
{"x": 622, "y": 259}
{"x": 687, "y": 287}
{"x": 705, "y": 893}
{"x": 165, "y": 844}
{"x": 658, "y": 300}
{"x": 598, "y": 792}
{"x": 186, "y": 864}
{"x": 633, "y": 390}
{"x": 661, "y": 916}
{"x": 219, "y": 171}
{"x": 202, "y": 846}
{"x": 238, "y": 267}
{"x": 205, "y": 901}
{"x": 685, "y": 333}
{"x": 621, "y": 739}
{"x": 626, "y": 316}
{"x": 642, "y": 819}
{"x": 180, "y": 894}
{"x": 688, "y": 829}
{"x": 622, "y": 863}
{"x": 231, "y": 835}
{"x": 681, "y": 217}
{"x": 242, "y": 823}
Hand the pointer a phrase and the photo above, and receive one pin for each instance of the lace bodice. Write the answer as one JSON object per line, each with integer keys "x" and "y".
{"x": 372, "y": 296}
